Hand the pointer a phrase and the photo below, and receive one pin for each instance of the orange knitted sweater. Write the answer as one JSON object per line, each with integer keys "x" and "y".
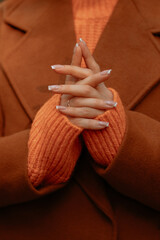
{"x": 54, "y": 144}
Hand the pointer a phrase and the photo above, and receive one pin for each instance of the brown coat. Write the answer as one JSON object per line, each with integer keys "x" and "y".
{"x": 121, "y": 202}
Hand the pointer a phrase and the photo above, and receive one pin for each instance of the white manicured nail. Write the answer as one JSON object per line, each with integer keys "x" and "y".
{"x": 61, "y": 107}
{"x": 111, "y": 103}
{"x": 104, "y": 124}
{"x": 106, "y": 72}
{"x": 57, "y": 66}
{"x": 81, "y": 40}
{"x": 75, "y": 47}
{"x": 53, "y": 87}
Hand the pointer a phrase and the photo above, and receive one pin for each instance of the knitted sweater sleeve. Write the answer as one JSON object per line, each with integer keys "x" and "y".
{"x": 103, "y": 144}
{"x": 53, "y": 146}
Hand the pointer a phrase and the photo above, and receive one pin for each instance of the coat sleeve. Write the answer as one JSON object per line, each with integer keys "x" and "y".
{"x": 15, "y": 185}
{"x": 135, "y": 171}
{"x": 15, "y": 182}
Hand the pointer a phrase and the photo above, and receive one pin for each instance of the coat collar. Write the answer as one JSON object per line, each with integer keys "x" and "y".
{"x": 127, "y": 45}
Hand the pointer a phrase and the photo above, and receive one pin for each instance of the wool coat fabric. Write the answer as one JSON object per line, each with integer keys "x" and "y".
{"x": 120, "y": 202}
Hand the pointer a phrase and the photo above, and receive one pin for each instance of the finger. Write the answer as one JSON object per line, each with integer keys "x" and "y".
{"x": 76, "y": 61}
{"x": 96, "y": 78}
{"x": 91, "y": 124}
{"x": 82, "y": 112}
{"x": 92, "y": 103}
{"x": 75, "y": 71}
{"x": 88, "y": 58}
{"x": 77, "y": 56}
{"x": 75, "y": 90}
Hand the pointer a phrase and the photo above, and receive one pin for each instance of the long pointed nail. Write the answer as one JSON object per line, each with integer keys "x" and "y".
{"x": 61, "y": 107}
{"x": 106, "y": 72}
{"x": 53, "y": 87}
{"x": 57, "y": 66}
{"x": 81, "y": 40}
{"x": 104, "y": 124}
{"x": 75, "y": 47}
{"x": 110, "y": 103}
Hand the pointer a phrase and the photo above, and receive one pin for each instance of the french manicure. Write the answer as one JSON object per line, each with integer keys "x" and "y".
{"x": 106, "y": 72}
{"x": 61, "y": 107}
{"x": 103, "y": 124}
{"x": 111, "y": 103}
{"x": 53, "y": 87}
{"x": 57, "y": 66}
{"x": 81, "y": 40}
{"x": 75, "y": 47}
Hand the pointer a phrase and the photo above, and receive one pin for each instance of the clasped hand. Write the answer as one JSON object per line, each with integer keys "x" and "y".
{"x": 84, "y": 95}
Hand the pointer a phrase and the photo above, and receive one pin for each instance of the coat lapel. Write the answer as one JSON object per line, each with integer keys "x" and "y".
{"x": 127, "y": 46}
{"x": 47, "y": 37}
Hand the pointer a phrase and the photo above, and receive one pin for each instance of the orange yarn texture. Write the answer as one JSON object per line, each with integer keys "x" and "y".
{"x": 54, "y": 144}
{"x": 90, "y": 19}
{"x": 103, "y": 144}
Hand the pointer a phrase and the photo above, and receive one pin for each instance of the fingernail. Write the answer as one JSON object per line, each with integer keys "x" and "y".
{"x": 60, "y": 107}
{"x": 104, "y": 124}
{"x": 106, "y": 72}
{"x": 81, "y": 40}
{"x": 111, "y": 103}
{"x": 53, "y": 87}
{"x": 57, "y": 66}
{"x": 75, "y": 47}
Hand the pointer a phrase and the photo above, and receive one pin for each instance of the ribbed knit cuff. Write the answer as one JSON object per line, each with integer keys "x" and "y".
{"x": 54, "y": 146}
{"x": 103, "y": 144}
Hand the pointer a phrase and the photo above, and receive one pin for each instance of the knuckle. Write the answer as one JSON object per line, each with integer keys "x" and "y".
{"x": 67, "y": 88}
{"x": 90, "y": 72}
{"x": 72, "y": 120}
{"x": 68, "y": 69}
{"x": 64, "y": 97}
{"x": 89, "y": 123}
{"x": 74, "y": 101}
{"x": 96, "y": 102}
{"x": 100, "y": 102}
{"x": 78, "y": 122}
{"x": 67, "y": 78}
{"x": 85, "y": 111}
{"x": 87, "y": 90}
